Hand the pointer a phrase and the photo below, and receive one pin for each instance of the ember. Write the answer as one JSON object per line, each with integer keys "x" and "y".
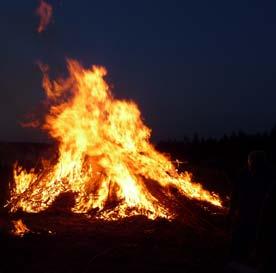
{"x": 105, "y": 156}
{"x": 19, "y": 228}
{"x": 44, "y": 11}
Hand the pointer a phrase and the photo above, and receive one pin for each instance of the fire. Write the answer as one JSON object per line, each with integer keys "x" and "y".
{"x": 105, "y": 155}
{"x": 19, "y": 228}
{"x": 44, "y": 11}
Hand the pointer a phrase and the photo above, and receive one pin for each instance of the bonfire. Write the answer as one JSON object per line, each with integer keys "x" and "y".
{"x": 105, "y": 157}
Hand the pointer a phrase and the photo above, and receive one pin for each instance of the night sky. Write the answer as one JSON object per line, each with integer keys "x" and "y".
{"x": 192, "y": 66}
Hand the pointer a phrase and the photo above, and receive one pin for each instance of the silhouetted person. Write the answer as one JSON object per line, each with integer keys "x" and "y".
{"x": 267, "y": 232}
{"x": 247, "y": 201}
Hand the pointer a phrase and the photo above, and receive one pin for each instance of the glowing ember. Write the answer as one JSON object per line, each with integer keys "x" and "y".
{"x": 105, "y": 157}
{"x": 44, "y": 11}
{"x": 19, "y": 228}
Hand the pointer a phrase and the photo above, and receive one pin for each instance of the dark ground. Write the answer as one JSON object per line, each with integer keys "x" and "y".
{"x": 62, "y": 242}
{"x": 78, "y": 244}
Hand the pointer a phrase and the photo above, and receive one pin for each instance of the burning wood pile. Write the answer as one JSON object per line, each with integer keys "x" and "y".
{"x": 105, "y": 156}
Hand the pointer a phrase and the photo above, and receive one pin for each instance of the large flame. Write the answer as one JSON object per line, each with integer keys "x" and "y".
{"x": 105, "y": 155}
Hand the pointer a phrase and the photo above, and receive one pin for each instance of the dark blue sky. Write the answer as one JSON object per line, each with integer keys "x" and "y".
{"x": 192, "y": 66}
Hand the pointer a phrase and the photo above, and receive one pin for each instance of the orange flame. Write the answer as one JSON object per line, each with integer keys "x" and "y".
{"x": 19, "y": 228}
{"x": 105, "y": 156}
{"x": 44, "y": 11}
